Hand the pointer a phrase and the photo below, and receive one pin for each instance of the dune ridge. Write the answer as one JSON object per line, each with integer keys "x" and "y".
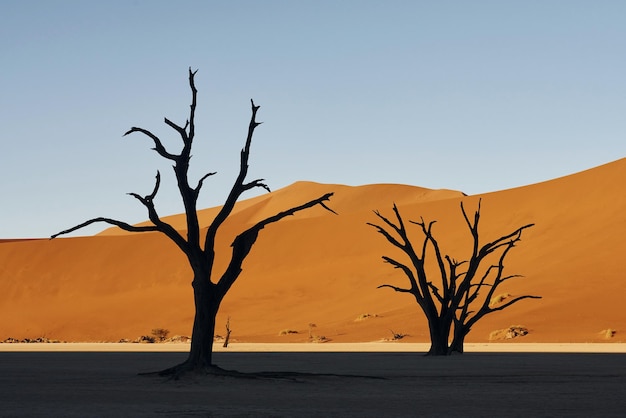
{"x": 319, "y": 268}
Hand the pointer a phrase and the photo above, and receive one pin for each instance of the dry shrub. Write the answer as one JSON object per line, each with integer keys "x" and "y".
{"x": 496, "y": 300}
{"x": 319, "y": 339}
{"x": 160, "y": 334}
{"x": 365, "y": 316}
{"x": 313, "y": 338}
{"x": 179, "y": 339}
{"x": 397, "y": 335}
{"x": 287, "y": 332}
{"x": 608, "y": 333}
{"x": 145, "y": 339}
{"x": 509, "y": 333}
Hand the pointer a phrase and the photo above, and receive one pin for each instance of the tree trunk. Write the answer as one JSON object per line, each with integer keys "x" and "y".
{"x": 439, "y": 333}
{"x": 227, "y": 338}
{"x": 207, "y": 302}
{"x": 207, "y": 305}
{"x": 457, "y": 345}
{"x": 459, "y": 339}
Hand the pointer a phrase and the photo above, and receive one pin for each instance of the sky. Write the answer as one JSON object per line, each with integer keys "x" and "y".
{"x": 476, "y": 96}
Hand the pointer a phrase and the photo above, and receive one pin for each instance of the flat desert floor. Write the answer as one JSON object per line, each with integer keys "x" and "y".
{"x": 362, "y": 383}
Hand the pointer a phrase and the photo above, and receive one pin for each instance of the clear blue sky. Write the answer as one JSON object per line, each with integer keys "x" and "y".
{"x": 476, "y": 96}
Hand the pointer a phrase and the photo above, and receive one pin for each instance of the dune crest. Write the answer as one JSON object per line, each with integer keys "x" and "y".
{"x": 319, "y": 268}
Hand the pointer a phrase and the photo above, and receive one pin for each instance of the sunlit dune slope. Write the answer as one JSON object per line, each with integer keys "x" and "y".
{"x": 324, "y": 269}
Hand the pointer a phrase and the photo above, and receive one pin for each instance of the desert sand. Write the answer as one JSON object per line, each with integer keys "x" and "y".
{"x": 378, "y": 347}
{"x": 324, "y": 269}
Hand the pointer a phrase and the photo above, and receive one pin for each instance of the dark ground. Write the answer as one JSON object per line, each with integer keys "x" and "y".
{"x": 61, "y": 384}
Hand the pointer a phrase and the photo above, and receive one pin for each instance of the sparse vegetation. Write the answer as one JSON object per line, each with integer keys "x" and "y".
{"x": 509, "y": 333}
{"x": 496, "y": 300}
{"x": 160, "y": 334}
{"x": 146, "y": 339}
{"x": 288, "y": 332}
{"x": 319, "y": 339}
{"x": 316, "y": 338}
{"x": 608, "y": 333}
{"x": 397, "y": 335}
{"x": 365, "y": 316}
{"x": 38, "y": 340}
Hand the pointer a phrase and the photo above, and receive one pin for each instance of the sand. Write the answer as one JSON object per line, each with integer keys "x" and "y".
{"x": 352, "y": 384}
{"x": 386, "y": 347}
{"x": 324, "y": 269}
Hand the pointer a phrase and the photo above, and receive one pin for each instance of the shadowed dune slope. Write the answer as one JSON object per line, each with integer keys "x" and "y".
{"x": 319, "y": 268}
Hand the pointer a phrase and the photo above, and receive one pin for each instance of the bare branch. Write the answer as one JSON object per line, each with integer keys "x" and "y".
{"x": 244, "y": 241}
{"x": 473, "y": 227}
{"x": 397, "y": 289}
{"x": 322, "y": 204}
{"x": 147, "y": 201}
{"x": 440, "y": 263}
{"x": 201, "y": 181}
{"x": 181, "y": 131}
{"x": 158, "y": 145}
{"x": 157, "y": 183}
{"x": 435, "y": 291}
{"x": 405, "y": 245}
{"x": 238, "y": 187}
{"x": 120, "y": 224}
{"x": 386, "y": 234}
{"x": 397, "y": 228}
{"x": 256, "y": 183}
{"x": 407, "y": 271}
{"x": 192, "y": 106}
{"x": 426, "y": 230}
{"x": 502, "y": 241}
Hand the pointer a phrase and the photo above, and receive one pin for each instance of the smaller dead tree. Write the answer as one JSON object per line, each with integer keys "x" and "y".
{"x": 456, "y": 294}
{"x": 228, "y": 331}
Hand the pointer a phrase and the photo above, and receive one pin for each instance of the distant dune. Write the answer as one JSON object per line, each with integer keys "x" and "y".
{"x": 319, "y": 268}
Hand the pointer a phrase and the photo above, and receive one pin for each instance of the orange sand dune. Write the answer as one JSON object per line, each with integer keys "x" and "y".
{"x": 319, "y": 268}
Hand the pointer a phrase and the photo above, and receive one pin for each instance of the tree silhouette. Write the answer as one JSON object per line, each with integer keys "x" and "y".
{"x": 200, "y": 251}
{"x": 451, "y": 302}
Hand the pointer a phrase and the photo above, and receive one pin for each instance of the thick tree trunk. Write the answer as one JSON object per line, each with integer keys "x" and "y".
{"x": 439, "y": 333}
{"x": 201, "y": 351}
{"x": 457, "y": 345}
{"x": 207, "y": 302}
{"x": 460, "y": 332}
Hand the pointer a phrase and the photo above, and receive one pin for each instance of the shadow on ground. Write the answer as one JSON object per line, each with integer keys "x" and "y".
{"x": 406, "y": 384}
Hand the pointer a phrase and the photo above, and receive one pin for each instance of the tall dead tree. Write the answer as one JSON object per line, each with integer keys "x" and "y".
{"x": 209, "y": 286}
{"x": 456, "y": 294}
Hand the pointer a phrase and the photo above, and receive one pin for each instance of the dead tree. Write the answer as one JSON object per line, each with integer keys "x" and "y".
{"x": 228, "y": 331}
{"x": 456, "y": 294}
{"x": 209, "y": 286}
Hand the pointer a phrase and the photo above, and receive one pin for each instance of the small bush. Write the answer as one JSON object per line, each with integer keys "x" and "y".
{"x": 146, "y": 339}
{"x": 496, "y": 300}
{"x": 397, "y": 335}
{"x": 160, "y": 334}
{"x": 287, "y": 332}
{"x": 179, "y": 339}
{"x": 319, "y": 339}
{"x": 509, "y": 333}
{"x": 608, "y": 333}
{"x": 365, "y": 316}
